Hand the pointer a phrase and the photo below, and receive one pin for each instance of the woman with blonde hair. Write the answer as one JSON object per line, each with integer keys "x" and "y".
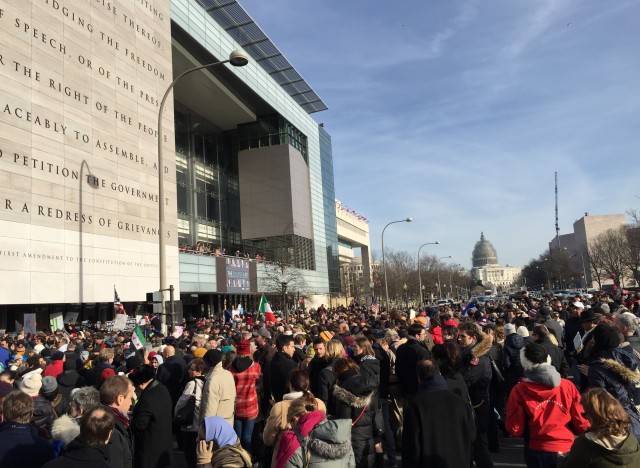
{"x": 326, "y": 379}
{"x": 609, "y": 442}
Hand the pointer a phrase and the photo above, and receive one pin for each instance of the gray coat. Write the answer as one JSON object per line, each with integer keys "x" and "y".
{"x": 329, "y": 445}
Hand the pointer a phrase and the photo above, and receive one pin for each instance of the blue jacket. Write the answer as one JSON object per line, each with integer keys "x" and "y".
{"x": 5, "y": 357}
{"x": 20, "y": 446}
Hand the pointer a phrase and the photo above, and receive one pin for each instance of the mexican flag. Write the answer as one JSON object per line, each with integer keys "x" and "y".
{"x": 265, "y": 309}
{"x": 137, "y": 338}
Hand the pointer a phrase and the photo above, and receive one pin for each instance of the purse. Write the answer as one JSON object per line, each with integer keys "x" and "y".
{"x": 184, "y": 416}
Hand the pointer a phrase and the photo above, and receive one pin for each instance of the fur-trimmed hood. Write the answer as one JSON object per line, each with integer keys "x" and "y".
{"x": 65, "y": 429}
{"x": 631, "y": 376}
{"x": 482, "y": 347}
{"x": 350, "y": 399}
{"x": 331, "y": 439}
{"x": 543, "y": 373}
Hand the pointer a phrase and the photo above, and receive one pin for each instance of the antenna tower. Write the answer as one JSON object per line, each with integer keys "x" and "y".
{"x": 557, "y": 226}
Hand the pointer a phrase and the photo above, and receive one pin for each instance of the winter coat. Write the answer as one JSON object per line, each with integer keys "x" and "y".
{"x": 558, "y": 359}
{"x": 277, "y": 422}
{"x": 120, "y": 446}
{"x": 263, "y": 356}
{"x": 326, "y": 381}
{"x": 54, "y": 369}
{"x": 554, "y": 327}
{"x": 80, "y": 455}
{"x": 456, "y": 385}
{"x": 547, "y": 407}
{"x": 171, "y": 374}
{"x": 92, "y": 376}
{"x": 436, "y": 335}
{"x": 43, "y": 416}
{"x": 618, "y": 372}
{"x": 328, "y": 445}
{"x": 196, "y": 384}
{"x": 438, "y": 428}
{"x": 151, "y": 427}
{"x": 246, "y": 374}
{"x": 385, "y": 371}
{"x": 586, "y": 453}
{"x": 476, "y": 372}
{"x": 407, "y": 356}
{"x": 67, "y": 381}
{"x": 279, "y": 370}
{"x": 355, "y": 399}
{"x": 315, "y": 366}
{"x": 229, "y": 456}
{"x": 20, "y": 446}
{"x": 219, "y": 396}
{"x": 64, "y": 430}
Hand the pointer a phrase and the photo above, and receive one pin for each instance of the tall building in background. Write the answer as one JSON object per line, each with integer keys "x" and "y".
{"x": 248, "y": 172}
{"x": 485, "y": 267}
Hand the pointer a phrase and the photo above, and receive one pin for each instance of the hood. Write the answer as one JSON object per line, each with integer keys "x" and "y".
{"x": 514, "y": 341}
{"x": 241, "y": 364}
{"x": 631, "y": 376}
{"x": 544, "y": 374}
{"x": 65, "y": 429}
{"x": 482, "y": 347}
{"x": 69, "y": 378}
{"x": 331, "y": 439}
{"x": 351, "y": 399}
{"x": 625, "y": 455}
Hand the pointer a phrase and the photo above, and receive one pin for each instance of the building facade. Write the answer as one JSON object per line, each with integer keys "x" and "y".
{"x": 248, "y": 173}
{"x": 487, "y": 270}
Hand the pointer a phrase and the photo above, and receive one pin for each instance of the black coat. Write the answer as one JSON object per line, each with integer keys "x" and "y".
{"x": 67, "y": 381}
{"x": 438, "y": 428}
{"x": 326, "y": 381}
{"x": 355, "y": 399}
{"x": 279, "y": 370}
{"x": 80, "y": 455}
{"x": 151, "y": 427}
{"x": 21, "y": 447}
{"x": 315, "y": 366}
{"x": 385, "y": 370}
{"x": 171, "y": 374}
{"x": 558, "y": 360}
{"x": 407, "y": 356}
{"x": 120, "y": 447}
{"x": 476, "y": 371}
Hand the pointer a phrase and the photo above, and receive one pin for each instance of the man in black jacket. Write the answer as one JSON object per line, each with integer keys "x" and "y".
{"x": 540, "y": 335}
{"x": 438, "y": 425}
{"x": 117, "y": 393}
{"x": 408, "y": 356}
{"x": 281, "y": 365}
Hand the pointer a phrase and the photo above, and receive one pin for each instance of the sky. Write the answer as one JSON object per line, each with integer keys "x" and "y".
{"x": 458, "y": 113}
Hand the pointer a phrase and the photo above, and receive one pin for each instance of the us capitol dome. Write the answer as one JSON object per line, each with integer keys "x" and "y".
{"x": 487, "y": 270}
{"x": 484, "y": 253}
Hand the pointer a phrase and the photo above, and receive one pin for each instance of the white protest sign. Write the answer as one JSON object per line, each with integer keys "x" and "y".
{"x": 56, "y": 321}
{"x": 120, "y": 322}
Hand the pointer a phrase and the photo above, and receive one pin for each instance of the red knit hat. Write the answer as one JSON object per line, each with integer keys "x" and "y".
{"x": 244, "y": 348}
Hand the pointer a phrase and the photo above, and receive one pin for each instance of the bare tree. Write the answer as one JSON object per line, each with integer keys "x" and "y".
{"x": 632, "y": 254}
{"x": 609, "y": 251}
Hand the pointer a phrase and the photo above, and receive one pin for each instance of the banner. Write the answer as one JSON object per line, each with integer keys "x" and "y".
{"x": 71, "y": 317}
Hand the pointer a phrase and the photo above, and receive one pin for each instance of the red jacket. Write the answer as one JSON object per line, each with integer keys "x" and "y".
{"x": 246, "y": 395}
{"x": 436, "y": 334}
{"x": 553, "y": 414}
{"x": 54, "y": 369}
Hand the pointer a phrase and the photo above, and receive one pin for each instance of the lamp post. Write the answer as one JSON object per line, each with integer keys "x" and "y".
{"x": 237, "y": 58}
{"x": 406, "y": 297}
{"x": 584, "y": 271}
{"x": 373, "y": 292}
{"x": 384, "y": 263}
{"x": 451, "y": 278}
{"x": 420, "y": 288}
{"x": 439, "y": 286}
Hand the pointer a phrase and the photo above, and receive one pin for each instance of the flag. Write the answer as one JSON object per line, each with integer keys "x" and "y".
{"x": 137, "y": 338}
{"x": 265, "y": 309}
{"x": 118, "y": 308}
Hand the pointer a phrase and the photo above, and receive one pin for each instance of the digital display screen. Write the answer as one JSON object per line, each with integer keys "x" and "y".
{"x": 237, "y": 275}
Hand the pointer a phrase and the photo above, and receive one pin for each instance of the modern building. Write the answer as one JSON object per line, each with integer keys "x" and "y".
{"x": 585, "y": 230}
{"x": 248, "y": 190}
{"x": 487, "y": 270}
{"x": 354, "y": 252}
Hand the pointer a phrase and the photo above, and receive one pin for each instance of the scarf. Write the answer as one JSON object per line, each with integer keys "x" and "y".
{"x": 289, "y": 442}
{"x": 220, "y": 431}
{"x": 120, "y": 416}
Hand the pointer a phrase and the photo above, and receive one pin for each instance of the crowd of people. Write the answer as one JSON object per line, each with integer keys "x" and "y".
{"x": 345, "y": 387}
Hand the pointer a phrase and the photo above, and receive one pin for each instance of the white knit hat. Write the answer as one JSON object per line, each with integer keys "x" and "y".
{"x": 31, "y": 382}
{"x": 522, "y": 331}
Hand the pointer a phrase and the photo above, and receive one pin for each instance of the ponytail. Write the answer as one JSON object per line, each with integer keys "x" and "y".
{"x": 301, "y": 406}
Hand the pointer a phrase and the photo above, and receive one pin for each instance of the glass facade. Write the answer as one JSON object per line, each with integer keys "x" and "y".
{"x": 272, "y": 130}
{"x": 329, "y": 202}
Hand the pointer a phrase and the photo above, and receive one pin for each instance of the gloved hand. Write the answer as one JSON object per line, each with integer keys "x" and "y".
{"x": 204, "y": 452}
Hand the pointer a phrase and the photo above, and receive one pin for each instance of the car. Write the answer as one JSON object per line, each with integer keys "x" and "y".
{"x": 444, "y": 302}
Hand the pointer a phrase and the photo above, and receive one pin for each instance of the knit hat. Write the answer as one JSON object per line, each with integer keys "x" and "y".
{"x": 522, "y": 331}
{"x": 142, "y": 374}
{"x": 326, "y": 335}
{"x": 533, "y": 354}
{"x": 509, "y": 328}
{"x": 421, "y": 320}
{"x": 57, "y": 356}
{"x": 49, "y": 385}
{"x": 133, "y": 362}
{"x": 545, "y": 311}
{"x": 243, "y": 348}
{"x": 199, "y": 353}
{"x": 213, "y": 357}
{"x": 31, "y": 382}
{"x": 105, "y": 374}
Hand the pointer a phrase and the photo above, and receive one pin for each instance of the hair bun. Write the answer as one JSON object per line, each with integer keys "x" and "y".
{"x": 309, "y": 407}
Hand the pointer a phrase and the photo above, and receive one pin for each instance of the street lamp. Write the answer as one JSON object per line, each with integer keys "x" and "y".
{"x": 584, "y": 271}
{"x": 237, "y": 58}
{"x": 439, "y": 287}
{"x": 451, "y": 277}
{"x": 406, "y": 297}
{"x": 420, "y": 272}
{"x": 373, "y": 292}
{"x": 384, "y": 263}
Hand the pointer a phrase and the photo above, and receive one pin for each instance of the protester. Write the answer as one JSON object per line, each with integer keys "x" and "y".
{"x": 192, "y": 391}
{"x": 219, "y": 396}
{"x": 246, "y": 374}
{"x": 219, "y": 446}
{"x": 281, "y": 365}
{"x": 117, "y": 394}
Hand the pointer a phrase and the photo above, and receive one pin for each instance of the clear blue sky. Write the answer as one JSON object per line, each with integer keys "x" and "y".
{"x": 457, "y": 113}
